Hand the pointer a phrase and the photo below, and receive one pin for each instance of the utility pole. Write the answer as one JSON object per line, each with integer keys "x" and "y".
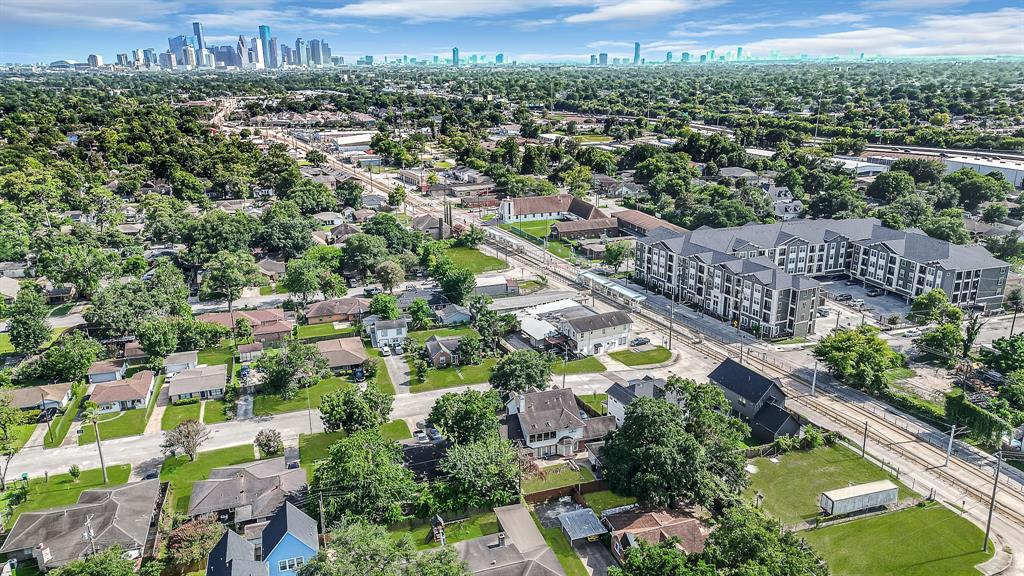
{"x": 565, "y": 362}
{"x": 49, "y": 426}
{"x": 864, "y": 444}
{"x": 99, "y": 448}
{"x": 992, "y": 503}
{"x": 814, "y": 379}
{"x": 671, "y": 320}
{"x": 323, "y": 524}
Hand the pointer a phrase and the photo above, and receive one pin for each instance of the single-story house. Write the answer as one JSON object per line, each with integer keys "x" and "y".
{"x": 205, "y": 382}
{"x": 273, "y": 331}
{"x": 283, "y": 546}
{"x": 246, "y": 493}
{"x": 255, "y": 317}
{"x": 496, "y": 286}
{"x": 40, "y": 397}
{"x": 130, "y": 229}
{"x": 363, "y": 214}
{"x": 442, "y": 352}
{"x": 518, "y": 549}
{"x": 272, "y": 269}
{"x": 58, "y": 293}
{"x": 180, "y": 361}
{"x": 250, "y": 352}
{"x": 329, "y": 218}
{"x": 434, "y": 298}
{"x": 9, "y": 288}
{"x": 637, "y": 223}
{"x": 374, "y": 201}
{"x": 655, "y": 526}
{"x": 577, "y": 229}
{"x": 124, "y": 394}
{"x": 433, "y": 227}
{"x": 343, "y": 353}
{"x": 452, "y": 315}
{"x": 133, "y": 353}
{"x": 106, "y": 371}
{"x": 119, "y": 516}
{"x": 388, "y": 332}
{"x": 341, "y": 232}
{"x": 337, "y": 310}
{"x": 14, "y": 269}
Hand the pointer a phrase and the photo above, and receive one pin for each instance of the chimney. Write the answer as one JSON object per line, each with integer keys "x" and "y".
{"x": 501, "y": 539}
{"x": 522, "y": 402}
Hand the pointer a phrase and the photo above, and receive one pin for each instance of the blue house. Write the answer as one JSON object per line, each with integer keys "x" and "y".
{"x": 288, "y": 542}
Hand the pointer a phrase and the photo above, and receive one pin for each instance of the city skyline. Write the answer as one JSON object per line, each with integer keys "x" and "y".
{"x": 524, "y": 31}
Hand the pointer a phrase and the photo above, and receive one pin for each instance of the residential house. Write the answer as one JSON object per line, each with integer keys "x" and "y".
{"x": 133, "y": 353}
{"x": 629, "y": 527}
{"x": 467, "y": 175}
{"x": 637, "y": 223}
{"x": 624, "y": 190}
{"x": 203, "y": 383}
{"x": 785, "y": 207}
{"x": 272, "y": 269}
{"x": 388, "y": 332}
{"x": 364, "y": 214}
{"x": 285, "y": 544}
{"x": 341, "y": 232}
{"x": 247, "y": 493}
{"x": 273, "y": 331}
{"x": 9, "y": 288}
{"x": 434, "y": 227}
{"x": 579, "y": 229}
{"x": 329, "y": 218}
{"x": 495, "y": 286}
{"x": 40, "y": 397}
{"x": 453, "y": 315}
{"x": 120, "y": 516}
{"x": 180, "y": 361}
{"x": 268, "y": 325}
{"x": 519, "y": 549}
{"x": 337, "y": 310}
{"x": 736, "y": 173}
{"x": 557, "y": 207}
{"x": 128, "y": 393}
{"x": 343, "y": 353}
{"x": 130, "y": 229}
{"x": 434, "y": 298}
{"x": 106, "y": 371}
{"x": 374, "y": 200}
{"x": 442, "y": 352}
{"x": 552, "y": 423}
{"x": 250, "y": 352}
{"x": 621, "y": 395}
{"x": 57, "y": 293}
{"x": 755, "y": 398}
{"x": 14, "y": 269}
{"x": 416, "y": 177}
{"x": 597, "y": 333}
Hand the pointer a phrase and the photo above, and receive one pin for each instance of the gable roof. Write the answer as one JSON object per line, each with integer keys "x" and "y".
{"x": 34, "y": 395}
{"x": 233, "y": 555}
{"x": 343, "y": 351}
{"x": 559, "y": 203}
{"x": 290, "y": 520}
{"x": 134, "y": 387}
{"x": 105, "y": 366}
{"x": 435, "y": 345}
{"x": 599, "y": 321}
{"x": 548, "y": 411}
{"x": 336, "y": 306}
{"x": 450, "y": 311}
{"x": 255, "y": 317}
{"x": 198, "y": 379}
{"x": 657, "y": 526}
{"x": 745, "y": 382}
{"x": 189, "y": 357}
{"x": 585, "y": 225}
{"x": 771, "y": 418}
{"x": 645, "y": 222}
{"x": 253, "y": 490}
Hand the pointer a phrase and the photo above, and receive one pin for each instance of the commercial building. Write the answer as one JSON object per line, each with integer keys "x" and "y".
{"x": 759, "y": 276}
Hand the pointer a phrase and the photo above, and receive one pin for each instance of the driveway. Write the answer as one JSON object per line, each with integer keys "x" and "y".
{"x": 399, "y": 371}
{"x": 243, "y": 407}
{"x": 595, "y": 557}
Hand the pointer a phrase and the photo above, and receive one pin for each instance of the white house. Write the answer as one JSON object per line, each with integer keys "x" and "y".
{"x": 388, "y": 332}
{"x": 180, "y": 361}
{"x": 106, "y": 371}
{"x": 124, "y": 394}
{"x": 551, "y": 422}
{"x": 597, "y": 333}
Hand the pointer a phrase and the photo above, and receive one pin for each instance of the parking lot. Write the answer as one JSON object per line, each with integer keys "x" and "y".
{"x": 875, "y": 307}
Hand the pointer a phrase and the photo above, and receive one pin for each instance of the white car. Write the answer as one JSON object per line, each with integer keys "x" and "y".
{"x": 857, "y": 302}
{"x": 385, "y": 351}
{"x": 913, "y": 333}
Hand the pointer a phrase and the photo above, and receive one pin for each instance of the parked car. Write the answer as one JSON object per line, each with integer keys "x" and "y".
{"x": 152, "y": 475}
{"x": 913, "y": 333}
{"x": 371, "y": 291}
{"x": 823, "y": 311}
{"x": 385, "y": 351}
{"x": 844, "y": 297}
{"x": 420, "y": 436}
{"x": 639, "y": 341}
{"x": 433, "y": 434}
{"x": 398, "y": 350}
{"x": 875, "y": 292}
{"x": 244, "y": 373}
{"x": 47, "y": 415}
{"x": 359, "y": 374}
{"x": 857, "y": 302}
{"x": 421, "y": 424}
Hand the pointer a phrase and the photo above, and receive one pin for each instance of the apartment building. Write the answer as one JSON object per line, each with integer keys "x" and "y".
{"x": 760, "y": 276}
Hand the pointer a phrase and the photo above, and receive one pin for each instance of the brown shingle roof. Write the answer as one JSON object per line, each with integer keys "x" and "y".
{"x": 104, "y": 366}
{"x": 255, "y": 317}
{"x": 343, "y": 351}
{"x": 558, "y": 203}
{"x": 660, "y": 525}
{"x": 336, "y": 306}
{"x": 34, "y": 395}
{"x": 644, "y": 221}
{"x": 135, "y": 387}
{"x": 584, "y": 225}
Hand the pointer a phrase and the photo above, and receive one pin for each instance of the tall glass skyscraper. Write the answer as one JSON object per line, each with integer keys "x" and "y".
{"x": 455, "y": 56}
{"x": 265, "y": 42}
{"x": 636, "y": 53}
{"x": 197, "y": 31}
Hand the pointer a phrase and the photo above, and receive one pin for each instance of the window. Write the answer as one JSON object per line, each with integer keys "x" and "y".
{"x": 290, "y": 564}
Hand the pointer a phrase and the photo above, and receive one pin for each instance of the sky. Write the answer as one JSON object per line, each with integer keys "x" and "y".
{"x": 523, "y": 30}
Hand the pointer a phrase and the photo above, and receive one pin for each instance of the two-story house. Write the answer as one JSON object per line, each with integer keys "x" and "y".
{"x": 756, "y": 399}
{"x": 551, "y": 423}
{"x": 286, "y": 544}
{"x": 597, "y": 333}
{"x": 622, "y": 395}
{"x": 387, "y": 332}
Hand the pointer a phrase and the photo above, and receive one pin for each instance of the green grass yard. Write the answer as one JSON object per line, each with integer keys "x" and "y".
{"x": 475, "y": 260}
{"x": 792, "y": 486}
{"x": 7, "y": 348}
{"x": 458, "y": 531}
{"x": 214, "y": 413}
{"x": 538, "y": 228}
{"x": 218, "y": 355}
{"x": 182, "y": 473}
{"x": 266, "y": 403}
{"x": 123, "y": 423}
{"x": 595, "y": 401}
{"x": 63, "y": 424}
{"x": 920, "y": 541}
{"x": 22, "y": 432}
{"x": 61, "y": 490}
{"x": 606, "y": 500}
{"x": 556, "y": 477}
{"x": 324, "y": 330}
{"x": 275, "y": 289}
{"x": 439, "y": 378}
{"x": 587, "y": 365}
{"x": 383, "y": 378}
{"x": 422, "y": 336}
{"x": 175, "y": 414}
{"x": 593, "y": 138}
{"x": 657, "y": 355}
{"x": 563, "y": 550}
{"x": 313, "y": 447}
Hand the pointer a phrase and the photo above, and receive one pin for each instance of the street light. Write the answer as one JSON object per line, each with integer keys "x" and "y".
{"x": 1000, "y": 456}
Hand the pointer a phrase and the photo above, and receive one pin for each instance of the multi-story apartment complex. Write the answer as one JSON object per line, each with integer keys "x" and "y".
{"x": 760, "y": 276}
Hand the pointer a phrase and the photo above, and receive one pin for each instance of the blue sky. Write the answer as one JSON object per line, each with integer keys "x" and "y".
{"x": 524, "y": 30}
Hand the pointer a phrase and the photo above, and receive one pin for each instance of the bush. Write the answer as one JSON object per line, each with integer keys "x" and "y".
{"x": 186, "y": 402}
{"x": 268, "y": 440}
{"x": 75, "y": 472}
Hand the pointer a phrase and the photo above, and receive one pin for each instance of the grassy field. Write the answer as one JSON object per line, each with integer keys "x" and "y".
{"x": 563, "y": 550}
{"x": 182, "y": 474}
{"x": 792, "y": 486}
{"x": 438, "y": 378}
{"x": 63, "y": 424}
{"x": 556, "y": 477}
{"x": 588, "y": 365}
{"x": 313, "y": 447}
{"x": 275, "y": 289}
{"x": 920, "y": 541}
{"x": 593, "y": 138}
{"x": 560, "y": 249}
{"x": 475, "y": 260}
{"x": 5, "y": 340}
{"x": 61, "y": 490}
{"x": 595, "y": 401}
{"x": 538, "y": 228}
{"x": 656, "y": 355}
{"x": 472, "y": 527}
{"x": 214, "y": 412}
{"x": 606, "y": 500}
{"x": 218, "y": 355}
{"x": 174, "y": 415}
{"x": 901, "y": 373}
{"x": 270, "y": 403}
{"x": 324, "y": 330}
{"x": 22, "y": 432}
{"x": 123, "y": 423}
{"x": 422, "y": 336}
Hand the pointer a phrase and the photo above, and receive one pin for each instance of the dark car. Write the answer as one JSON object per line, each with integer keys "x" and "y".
{"x": 639, "y": 341}
{"x": 359, "y": 374}
{"x": 152, "y": 475}
{"x": 875, "y": 292}
{"x": 47, "y": 415}
{"x": 844, "y": 297}
{"x": 294, "y": 464}
{"x": 371, "y": 291}
{"x": 433, "y": 434}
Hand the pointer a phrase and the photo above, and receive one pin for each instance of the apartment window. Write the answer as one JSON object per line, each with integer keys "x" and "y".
{"x": 290, "y": 564}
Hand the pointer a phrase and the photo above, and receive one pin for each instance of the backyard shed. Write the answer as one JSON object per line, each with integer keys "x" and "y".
{"x": 859, "y": 497}
{"x": 580, "y": 525}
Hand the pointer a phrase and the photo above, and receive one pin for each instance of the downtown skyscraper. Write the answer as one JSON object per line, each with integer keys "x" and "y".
{"x": 265, "y": 43}
{"x": 636, "y": 53}
{"x": 197, "y": 31}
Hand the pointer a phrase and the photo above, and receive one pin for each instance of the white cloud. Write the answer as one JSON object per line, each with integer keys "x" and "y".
{"x": 640, "y": 10}
{"x": 93, "y": 14}
{"x": 910, "y": 5}
{"x": 419, "y": 11}
{"x": 708, "y": 29}
{"x": 983, "y": 33}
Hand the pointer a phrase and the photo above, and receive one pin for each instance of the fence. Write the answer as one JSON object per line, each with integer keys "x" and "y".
{"x": 576, "y": 491}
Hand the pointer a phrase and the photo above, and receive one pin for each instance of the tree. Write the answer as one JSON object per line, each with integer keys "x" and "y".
{"x": 14, "y": 234}
{"x": 285, "y": 230}
{"x": 1008, "y": 355}
{"x": 109, "y": 562}
{"x": 934, "y": 306}
{"x": 118, "y": 309}
{"x": 268, "y": 440}
{"x": 297, "y": 365}
{"x": 945, "y": 341}
{"x": 363, "y": 476}
{"x": 947, "y": 225}
{"x": 316, "y": 157}
{"x": 469, "y": 349}
{"x": 68, "y": 360}
{"x": 471, "y": 237}
{"x": 364, "y": 252}
{"x": 458, "y": 284}
{"x": 661, "y": 559}
{"x": 304, "y": 277}
{"x": 227, "y": 273}
{"x": 615, "y": 253}
{"x": 351, "y": 410}
{"x": 747, "y": 541}
{"x": 422, "y": 317}
{"x": 158, "y": 337}
{"x": 77, "y": 264}
{"x": 389, "y": 274}
{"x": 483, "y": 474}
{"x": 75, "y": 472}
{"x": 466, "y": 417}
{"x": 663, "y": 454}
{"x": 350, "y": 194}
{"x": 889, "y": 186}
{"x": 994, "y": 213}
{"x": 311, "y": 197}
{"x": 10, "y": 418}
{"x": 521, "y": 371}
{"x": 396, "y": 195}
{"x": 859, "y": 357}
{"x": 27, "y": 325}
{"x": 243, "y": 330}
{"x": 187, "y": 436}
{"x": 385, "y": 306}
{"x": 191, "y": 542}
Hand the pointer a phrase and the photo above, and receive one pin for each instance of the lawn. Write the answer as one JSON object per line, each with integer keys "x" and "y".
{"x": 182, "y": 474}
{"x": 606, "y": 500}
{"x": 438, "y": 378}
{"x": 22, "y": 432}
{"x": 472, "y": 527}
{"x": 313, "y": 447}
{"x": 588, "y": 365}
{"x": 422, "y": 336}
{"x": 560, "y": 249}
{"x": 920, "y": 541}
{"x": 563, "y": 550}
{"x": 901, "y": 373}
{"x": 219, "y": 355}
{"x": 324, "y": 330}
{"x": 383, "y": 378}
{"x": 63, "y": 424}
{"x": 657, "y": 355}
{"x": 792, "y": 486}
{"x": 538, "y": 228}
{"x": 266, "y": 403}
{"x": 556, "y": 477}
{"x": 175, "y": 414}
{"x": 61, "y": 490}
{"x": 593, "y": 138}
{"x": 214, "y": 412}
{"x": 275, "y": 289}
{"x": 475, "y": 260}
{"x": 123, "y": 423}
{"x": 5, "y": 340}
{"x": 595, "y": 401}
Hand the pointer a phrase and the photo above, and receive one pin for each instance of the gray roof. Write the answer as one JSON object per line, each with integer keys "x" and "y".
{"x": 620, "y": 393}
{"x": 582, "y": 523}
{"x": 548, "y": 411}
{"x": 390, "y": 324}
{"x": 196, "y": 380}
{"x": 290, "y": 520}
{"x": 120, "y": 515}
{"x": 745, "y": 382}
{"x": 189, "y": 357}
{"x": 253, "y": 490}
{"x": 436, "y": 345}
{"x": 234, "y": 556}
{"x": 525, "y": 552}
{"x": 451, "y": 310}
{"x": 599, "y": 321}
